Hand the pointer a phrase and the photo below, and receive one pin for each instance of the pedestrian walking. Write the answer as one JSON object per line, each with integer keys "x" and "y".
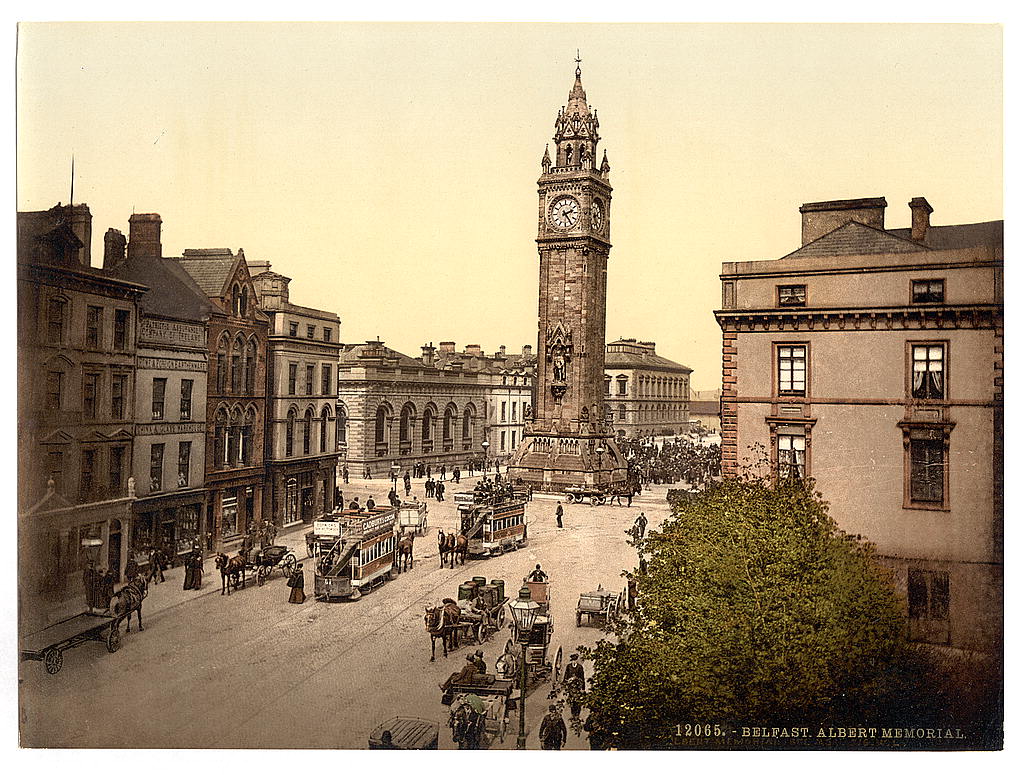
{"x": 576, "y": 683}
{"x": 155, "y": 566}
{"x": 371, "y": 504}
{"x": 558, "y": 514}
{"x": 552, "y": 730}
{"x": 428, "y": 488}
{"x": 408, "y": 487}
{"x": 444, "y": 470}
{"x": 344, "y": 474}
{"x": 641, "y": 525}
{"x": 297, "y": 583}
{"x": 529, "y": 492}
{"x": 439, "y": 488}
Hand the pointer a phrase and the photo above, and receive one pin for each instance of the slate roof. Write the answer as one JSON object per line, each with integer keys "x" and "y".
{"x": 705, "y": 407}
{"x": 350, "y": 355}
{"x": 641, "y": 360}
{"x": 209, "y": 267}
{"x": 857, "y": 239}
{"x": 966, "y": 235}
{"x": 173, "y": 293}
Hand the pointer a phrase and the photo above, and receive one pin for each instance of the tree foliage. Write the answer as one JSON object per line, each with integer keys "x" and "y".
{"x": 754, "y": 609}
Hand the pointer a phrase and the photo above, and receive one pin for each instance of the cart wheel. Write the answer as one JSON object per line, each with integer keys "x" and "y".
{"x": 480, "y": 631}
{"x": 53, "y": 659}
{"x": 501, "y": 617}
{"x": 288, "y": 564}
{"x": 558, "y": 664}
{"x": 114, "y": 637}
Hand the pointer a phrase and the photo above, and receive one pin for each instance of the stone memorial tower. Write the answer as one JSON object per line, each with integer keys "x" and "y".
{"x": 567, "y": 440}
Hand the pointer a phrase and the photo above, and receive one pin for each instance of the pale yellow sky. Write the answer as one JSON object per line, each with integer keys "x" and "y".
{"x": 391, "y": 169}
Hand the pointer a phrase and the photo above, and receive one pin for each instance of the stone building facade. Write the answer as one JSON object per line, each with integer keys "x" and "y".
{"x": 301, "y": 452}
{"x": 236, "y": 394}
{"x": 706, "y": 410}
{"x": 645, "y": 393}
{"x": 170, "y": 398}
{"x": 568, "y": 441}
{"x": 871, "y": 359}
{"x": 76, "y": 376}
{"x": 394, "y": 410}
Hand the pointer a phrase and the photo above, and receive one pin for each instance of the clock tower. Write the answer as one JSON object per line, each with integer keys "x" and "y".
{"x": 567, "y": 440}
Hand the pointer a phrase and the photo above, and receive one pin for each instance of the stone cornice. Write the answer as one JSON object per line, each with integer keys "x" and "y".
{"x": 973, "y": 316}
{"x": 908, "y": 266}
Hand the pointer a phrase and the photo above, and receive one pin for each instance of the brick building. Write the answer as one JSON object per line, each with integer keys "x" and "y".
{"x": 871, "y": 360}
{"x": 76, "y": 377}
{"x": 301, "y": 454}
{"x": 236, "y": 393}
{"x": 645, "y": 393}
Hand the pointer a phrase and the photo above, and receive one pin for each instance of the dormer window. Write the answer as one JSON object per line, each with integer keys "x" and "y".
{"x": 928, "y": 291}
{"x": 792, "y": 295}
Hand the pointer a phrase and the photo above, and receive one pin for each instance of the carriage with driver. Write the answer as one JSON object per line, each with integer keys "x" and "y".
{"x": 537, "y": 640}
{"x": 478, "y": 719}
{"x": 265, "y": 560}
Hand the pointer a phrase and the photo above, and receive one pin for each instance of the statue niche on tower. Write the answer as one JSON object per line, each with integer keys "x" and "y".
{"x": 559, "y": 352}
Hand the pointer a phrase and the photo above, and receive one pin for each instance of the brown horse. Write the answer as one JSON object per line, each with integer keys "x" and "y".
{"x": 230, "y": 571}
{"x": 404, "y": 558}
{"x": 442, "y": 622}
{"x": 442, "y": 545}
{"x": 458, "y": 547}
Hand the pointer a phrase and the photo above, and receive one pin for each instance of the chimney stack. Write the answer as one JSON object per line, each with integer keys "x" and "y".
{"x": 920, "y": 211}
{"x": 114, "y": 244}
{"x": 819, "y": 218}
{"x": 527, "y": 349}
{"x": 144, "y": 236}
{"x": 447, "y": 347}
{"x": 474, "y": 349}
{"x": 427, "y": 354}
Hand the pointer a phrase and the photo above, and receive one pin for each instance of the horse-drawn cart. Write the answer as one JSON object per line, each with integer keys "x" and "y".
{"x": 477, "y": 721}
{"x": 599, "y": 604}
{"x": 485, "y": 603}
{"x": 47, "y": 646}
{"x": 405, "y": 733}
{"x": 412, "y": 518}
{"x": 264, "y": 561}
{"x": 595, "y": 496}
{"x": 538, "y": 665}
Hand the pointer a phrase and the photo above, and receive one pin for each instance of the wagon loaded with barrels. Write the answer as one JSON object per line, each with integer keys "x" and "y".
{"x": 483, "y": 605}
{"x": 354, "y": 551}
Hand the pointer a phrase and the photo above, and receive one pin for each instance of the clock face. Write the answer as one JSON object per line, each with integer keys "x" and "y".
{"x": 596, "y": 215}
{"x": 565, "y": 212}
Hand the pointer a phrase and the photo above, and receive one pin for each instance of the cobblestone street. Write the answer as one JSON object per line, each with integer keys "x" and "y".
{"x": 250, "y": 670}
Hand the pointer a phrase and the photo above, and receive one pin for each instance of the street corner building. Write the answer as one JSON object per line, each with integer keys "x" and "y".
{"x": 647, "y": 394}
{"x": 568, "y": 441}
{"x": 871, "y": 359}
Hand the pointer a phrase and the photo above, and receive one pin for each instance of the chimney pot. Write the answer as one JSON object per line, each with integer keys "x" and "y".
{"x": 920, "y": 211}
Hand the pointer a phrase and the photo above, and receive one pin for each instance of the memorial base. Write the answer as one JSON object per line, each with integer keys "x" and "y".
{"x": 552, "y": 463}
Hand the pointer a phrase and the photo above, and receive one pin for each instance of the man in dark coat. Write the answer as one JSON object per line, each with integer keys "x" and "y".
{"x": 371, "y": 504}
{"x": 156, "y": 560}
{"x": 478, "y": 660}
{"x": 354, "y": 505}
{"x": 558, "y": 514}
{"x": 641, "y": 525}
{"x": 464, "y": 676}
{"x": 439, "y": 489}
{"x": 576, "y": 683}
{"x": 90, "y": 582}
{"x": 552, "y": 730}
{"x": 106, "y": 590}
{"x": 297, "y": 582}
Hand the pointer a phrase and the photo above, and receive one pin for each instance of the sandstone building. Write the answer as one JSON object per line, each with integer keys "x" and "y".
{"x": 871, "y": 359}
{"x": 645, "y": 393}
{"x": 301, "y": 453}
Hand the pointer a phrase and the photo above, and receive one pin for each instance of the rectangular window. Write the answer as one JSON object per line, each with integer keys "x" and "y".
{"x": 56, "y": 310}
{"x": 184, "y": 461}
{"x": 118, "y": 390}
{"x": 927, "y": 291}
{"x": 503, "y": 441}
{"x": 927, "y": 466}
{"x": 55, "y": 461}
{"x": 327, "y": 334}
{"x": 325, "y": 379}
{"x": 116, "y": 471}
{"x": 293, "y": 329}
{"x": 928, "y": 605}
{"x": 121, "y": 318}
{"x": 792, "y": 295}
{"x": 503, "y": 403}
{"x": 513, "y": 439}
{"x": 54, "y": 385}
{"x": 159, "y": 391}
{"x": 293, "y": 370}
{"x": 90, "y": 387}
{"x": 156, "y": 467}
{"x": 309, "y": 380}
{"x": 311, "y": 332}
{"x": 186, "y": 399}
{"x": 928, "y": 371}
{"x": 514, "y": 405}
{"x": 94, "y": 327}
{"x": 622, "y": 385}
{"x": 792, "y": 450}
{"x": 607, "y": 386}
{"x": 622, "y": 411}
{"x": 792, "y": 369}
{"x": 87, "y": 480}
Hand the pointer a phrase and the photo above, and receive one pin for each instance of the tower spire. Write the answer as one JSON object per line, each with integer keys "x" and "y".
{"x": 576, "y": 128}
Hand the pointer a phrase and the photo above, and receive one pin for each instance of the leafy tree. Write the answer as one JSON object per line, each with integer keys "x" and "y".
{"x": 753, "y": 609}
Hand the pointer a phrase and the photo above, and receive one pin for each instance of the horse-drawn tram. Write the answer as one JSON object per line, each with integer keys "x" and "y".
{"x": 493, "y": 522}
{"x": 47, "y": 646}
{"x": 354, "y": 551}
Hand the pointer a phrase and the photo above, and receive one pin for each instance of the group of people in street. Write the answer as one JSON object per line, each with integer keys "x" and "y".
{"x": 434, "y": 488}
{"x": 672, "y": 461}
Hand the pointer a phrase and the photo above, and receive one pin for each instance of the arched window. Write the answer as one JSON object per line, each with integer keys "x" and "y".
{"x": 248, "y": 431}
{"x": 289, "y": 434}
{"x": 325, "y": 421}
{"x": 236, "y": 367}
{"x": 250, "y": 367}
{"x": 291, "y": 500}
{"x": 467, "y": 423}
{"x": 380, "y": 425}
{"x": 427, "y": 431}
{"x": 235, "y": 438}
{"x": 307, "y": 431}
{"x": 236, "y": 298}
{"x": 222, "y": 364}
{"x": 340, "y": 426}
{"x": 243, "y": 301}
{"x": 448, "y": 426}
{"x": 621, "y": 382}
{"x": 568, "y": 154}
{"x": 220, "y": 432}
{"x": 622, "y": 411}
{"x": 405, "y": 424}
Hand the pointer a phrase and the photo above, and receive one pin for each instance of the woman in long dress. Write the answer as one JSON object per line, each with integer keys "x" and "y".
{"x": 297, "y": 584}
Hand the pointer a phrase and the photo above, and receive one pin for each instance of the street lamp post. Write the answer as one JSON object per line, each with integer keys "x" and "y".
{"x": 600, "y": 452}
{"x": 523, "y": 611}
{"x": 486, "y": 445}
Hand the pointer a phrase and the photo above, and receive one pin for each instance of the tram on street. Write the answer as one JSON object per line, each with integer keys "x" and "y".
{"x": 493, "y": 523}
{"x": 353, "y": 551}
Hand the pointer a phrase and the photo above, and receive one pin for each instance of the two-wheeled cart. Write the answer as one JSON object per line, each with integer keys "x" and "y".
{"x": 48, "y": 645}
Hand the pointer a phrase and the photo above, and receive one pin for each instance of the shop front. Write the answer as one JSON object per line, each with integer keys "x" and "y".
{"x": 172, "y": 523}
